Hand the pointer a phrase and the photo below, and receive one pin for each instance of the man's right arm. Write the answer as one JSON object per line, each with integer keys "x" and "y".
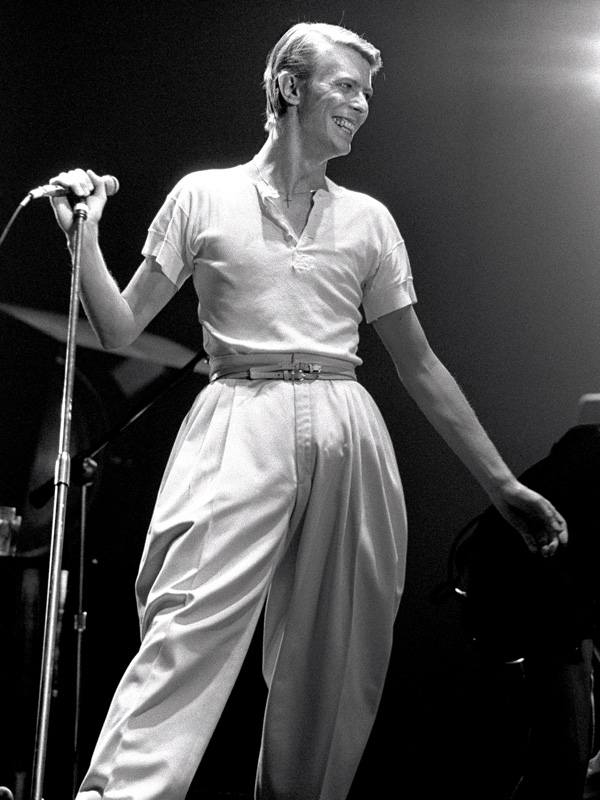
{"x": 117, "y": 317}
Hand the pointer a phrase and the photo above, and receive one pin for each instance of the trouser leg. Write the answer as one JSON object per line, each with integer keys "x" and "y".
{"x": 331, "y": 608}
{"x": 218, "y": 532}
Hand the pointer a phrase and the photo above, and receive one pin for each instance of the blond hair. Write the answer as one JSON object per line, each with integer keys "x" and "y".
{"x": 296, "y": 52}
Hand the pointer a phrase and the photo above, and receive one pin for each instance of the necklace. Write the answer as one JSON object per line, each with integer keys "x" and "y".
{"x": 287, "y": 197}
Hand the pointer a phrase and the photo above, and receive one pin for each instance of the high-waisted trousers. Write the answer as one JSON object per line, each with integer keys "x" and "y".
{"x": 276, "y": 492}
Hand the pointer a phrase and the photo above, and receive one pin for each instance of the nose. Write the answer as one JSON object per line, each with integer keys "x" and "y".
{"x": 361, "y": 103}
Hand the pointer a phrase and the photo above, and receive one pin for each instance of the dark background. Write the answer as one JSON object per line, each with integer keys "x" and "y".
{"x": 482, "y": 140}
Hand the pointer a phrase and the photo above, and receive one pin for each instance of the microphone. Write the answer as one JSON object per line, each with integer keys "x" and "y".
{"x": 111, "y": 185}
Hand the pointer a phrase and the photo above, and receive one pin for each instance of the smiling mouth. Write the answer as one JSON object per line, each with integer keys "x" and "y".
{"x": 345, "y": 125}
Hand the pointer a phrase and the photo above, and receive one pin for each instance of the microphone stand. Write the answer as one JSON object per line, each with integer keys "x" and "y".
{"x": 84, "y": 466}
{"x": 61, "y": 484}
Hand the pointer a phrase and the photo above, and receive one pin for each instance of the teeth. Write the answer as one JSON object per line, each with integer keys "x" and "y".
{"x": 344, "y": 123}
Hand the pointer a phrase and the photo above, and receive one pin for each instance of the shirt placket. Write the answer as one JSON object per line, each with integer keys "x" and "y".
{"x": 299, "y": 259}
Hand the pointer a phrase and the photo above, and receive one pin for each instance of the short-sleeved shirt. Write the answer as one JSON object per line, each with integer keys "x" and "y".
{"x": 260, "y": 287}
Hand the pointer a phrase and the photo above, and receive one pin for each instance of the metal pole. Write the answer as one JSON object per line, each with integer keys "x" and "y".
{"x": 61, "y": 484}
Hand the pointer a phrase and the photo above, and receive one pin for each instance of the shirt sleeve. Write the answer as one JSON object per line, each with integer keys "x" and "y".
{"x": 169, "y": 236}
{"x": 390, "y": 286}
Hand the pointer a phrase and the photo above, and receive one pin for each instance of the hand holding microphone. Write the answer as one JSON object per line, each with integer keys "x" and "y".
{"x": 77, "y": 183}
{"x": 111, "y": 186}
{"x": 82, "y": 184}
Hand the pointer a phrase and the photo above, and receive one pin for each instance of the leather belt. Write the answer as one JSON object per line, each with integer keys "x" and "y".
{"x": 281, "y": 367}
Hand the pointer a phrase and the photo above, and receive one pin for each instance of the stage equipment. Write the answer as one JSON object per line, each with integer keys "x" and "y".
{"x": 111, "y": 186}
{"x": 147, "y": 347}
{"x": 9, "y": 527}
{"x": 73, "y": 331}
{"x": 61, "y": 484}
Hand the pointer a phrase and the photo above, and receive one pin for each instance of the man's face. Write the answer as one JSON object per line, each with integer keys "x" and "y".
{"x": 334, "y": 102}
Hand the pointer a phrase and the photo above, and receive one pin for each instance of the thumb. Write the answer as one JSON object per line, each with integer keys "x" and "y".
{"x": 99, "y": 185}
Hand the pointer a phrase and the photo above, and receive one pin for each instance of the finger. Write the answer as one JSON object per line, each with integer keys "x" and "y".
{"x": 561, "y": 528}
{"x": 563, "y": 536}
{"x": 77, "y": 180}
{"x": 549, "y": 549}
{"x": 557, "y": 525}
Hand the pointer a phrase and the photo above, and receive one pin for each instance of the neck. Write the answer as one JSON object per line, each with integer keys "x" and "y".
{"x": 286, "y": 168}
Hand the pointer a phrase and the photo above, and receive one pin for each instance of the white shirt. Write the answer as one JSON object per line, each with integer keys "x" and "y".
{"x": 263, "y": 289}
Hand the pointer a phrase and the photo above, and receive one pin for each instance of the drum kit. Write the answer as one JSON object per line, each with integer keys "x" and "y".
{"x": 143, "y": 372}
{"x": 148, "y": 347}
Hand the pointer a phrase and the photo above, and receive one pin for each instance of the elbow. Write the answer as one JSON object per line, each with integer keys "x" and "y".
{"x": 115, "y": 345}
{"x": 113, "y": 324}
{"x": 111, "y": 346}
{"x": 114, "y": 340}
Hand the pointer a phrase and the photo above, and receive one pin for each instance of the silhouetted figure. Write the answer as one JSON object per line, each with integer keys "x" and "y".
{"x": 545, "y": 612}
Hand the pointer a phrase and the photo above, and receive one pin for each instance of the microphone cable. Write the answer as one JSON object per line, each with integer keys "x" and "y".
{"x": 112, "y": 187}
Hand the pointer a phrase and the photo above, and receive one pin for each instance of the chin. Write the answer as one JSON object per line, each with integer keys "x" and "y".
{"x": 342, "y": 149}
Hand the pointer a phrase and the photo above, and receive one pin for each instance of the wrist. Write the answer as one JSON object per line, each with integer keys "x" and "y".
{"x": 501, "y": 487}
{"x": 89, "y": 234}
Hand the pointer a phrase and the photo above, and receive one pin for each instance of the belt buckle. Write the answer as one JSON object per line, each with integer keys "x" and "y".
{"x": 302, "y": 371}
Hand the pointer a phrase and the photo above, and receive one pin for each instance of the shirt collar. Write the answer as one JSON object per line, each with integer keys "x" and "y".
{"x": 266, "y": 190}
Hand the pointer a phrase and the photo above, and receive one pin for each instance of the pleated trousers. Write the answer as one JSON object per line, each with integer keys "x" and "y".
{"x": 284, "y": 493}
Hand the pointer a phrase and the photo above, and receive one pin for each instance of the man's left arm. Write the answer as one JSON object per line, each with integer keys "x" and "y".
{"x": 441, "y": 400}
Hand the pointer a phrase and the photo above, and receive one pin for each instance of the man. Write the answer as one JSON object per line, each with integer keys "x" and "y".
{"x": 282, "y": 481}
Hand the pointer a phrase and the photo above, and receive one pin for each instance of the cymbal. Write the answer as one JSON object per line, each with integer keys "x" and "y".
{"x": 147, "y": 347}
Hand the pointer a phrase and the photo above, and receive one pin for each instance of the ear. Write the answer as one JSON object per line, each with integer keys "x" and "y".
{"x": 289, "y": 88}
